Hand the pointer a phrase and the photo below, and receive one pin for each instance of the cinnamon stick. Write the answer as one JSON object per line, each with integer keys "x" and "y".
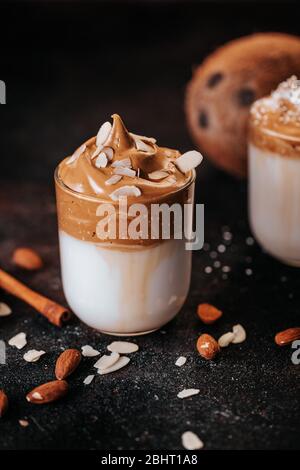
{"x": 55, "y": 313}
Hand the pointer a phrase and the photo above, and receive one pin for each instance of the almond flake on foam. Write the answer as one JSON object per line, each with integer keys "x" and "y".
{"x": 125, "y": 191}
{"x": 180, "y": 361}
{"x": 158, "y": 175}
{"x": 103, "y": 133}
{"x": 107, "y": 361}
{"x": 188, "y": 392}
{"x": 76, "y": 154}
{"x": 122, "y": 362}
{"x": 123, "y": 171}
{"x": 114, "y": 179}
{"x": 239, "y": 334}
{"x": 172, "y": 179}
{"x": 33, "y": 355}
{"x": 122, "y": 347}
{"x": 5, "y": 310}
{"x": 19, "y": 341}
{"x": 143, "y": 137}
{"x": 88, "y": 351}
{"x": 96, "y": 152}
{"x": 101, "y": 160}
{"x": 226, "y": 339}
{"x": 190, "y": 441}
{"x": 126, "y": 162}
{"x": 89, "y": 379}
{"x": 143, "y": 147}
{"x": 109, "y": 152}
{"x": 188, "y": 161}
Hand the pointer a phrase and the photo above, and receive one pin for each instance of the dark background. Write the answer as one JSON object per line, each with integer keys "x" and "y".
{"x": 68, "y": 67}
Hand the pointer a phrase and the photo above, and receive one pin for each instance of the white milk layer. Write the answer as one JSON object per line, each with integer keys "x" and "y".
{"x": 124, "y": 291}
{"x": 274, "y": 203}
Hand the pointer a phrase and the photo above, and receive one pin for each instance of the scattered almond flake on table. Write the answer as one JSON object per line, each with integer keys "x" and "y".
{"x": 158, "y": 175}
{"x": 114, "y": 179}
{"x": 88, "y": 351}
{"x": 88, "y": 380}
{"x": 180, "y": 361}
{"x": 103, "y": 133}
{"x": 107, "y": 361}
{"x": 33, "y": 355}
{"x": 226, "y": 339}
{"x": 19, "y": 341}
{"x": 125, "y": 191}
{"x": 122, "y": 347}
{"x": 24, "y": 423}
{"x": 122, "y": 362}
{"x": 126, "y": 162}
{"x": 188, "y": 161}
{"x": 5, "y": 310}
{"x": 101, "y": 160}
{"x": 143, "y": 137}
{"x": 190, "y": 441}
{"x": 76, "y": 154}
{"x": 124, "y": 171}
{"x": 188, "y": 392}
{"x": 143, "y": 147}
{"x": 239, "y": 334}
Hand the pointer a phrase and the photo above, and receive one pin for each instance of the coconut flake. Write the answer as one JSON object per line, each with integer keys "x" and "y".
{"x": 5, "y": 310}
{"x": 19, "y": 341}
{"x": 107, "y": 361}
{"x": 239, "y": 334}
{"x": 122, "y": 362}
{"x": 180, "y": 361}
{"x": 88, "y": 351}
{"x": 158, "y": 175}
{"x": 101, "y": 160}
{"x": 188, "y": 161}
{"x": 126, "y": 162}
{"x": 125, "y": 191}
{"x": 188, "y": 392}
{"x": 114, "y": 179}
{"x": 103, "y": 133}
{"x": 190, "y": 441}
{"x": 89, "y": 379}
{"x": 123, "y": 171}
{"x": 123, "y": 347}
{"x": 33, "y": 355}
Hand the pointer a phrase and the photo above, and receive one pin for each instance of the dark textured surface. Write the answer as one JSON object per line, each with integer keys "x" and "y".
{"x": 59, "y": 91}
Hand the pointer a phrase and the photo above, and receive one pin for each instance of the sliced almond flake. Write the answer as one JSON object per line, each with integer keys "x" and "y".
{"x": 97, "y": 151}
{"x": 226, "y": 339}
{"x": 37, "y": 396}
{"x": 19, "y": 341}
{"x": 143, "y": 137}
{"x": 122, "y": 171}
{"x": 190, "y": 441}
{"x": 180, "y": 361}
{"x": 188, "y": 392}
{"x": 126, "y": 162}
{"x": 109, "y": 152}
{"x": 107, "y": 361}
{"x": 188, "y": 161}
{"x": 158, "y": 175}
{"x": 76, "y": 154}
{"x": 33, "y": 355}
{"x": 172, "y": 179}
{"x": 103, "y": 133}
{"x": 89, "y": 379}
{"x": 101, "y": 160}
{"x": 125, "y": 191}
{"x": 143, "y": 147}
{"x": 24, "y": 423}
{"x": 122, "y": 362}
{"x": 114, "y": 179}
{"x": 123, "y": 347}
{"x": 239, "y": 334}
{"x": 88, "y": 351}
{"x": 5, "y": 310}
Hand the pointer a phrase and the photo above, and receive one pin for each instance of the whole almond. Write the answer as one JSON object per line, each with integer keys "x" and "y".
{"x": 66, "y": 363}
{"x": 3, "y": 403}
{"x": 27, "y": 258}
{"x": 207, "y": 346}
{"x": 208, "y": 313}
{"x": 48, "y": 392}
{"x": 287, "y": 336}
